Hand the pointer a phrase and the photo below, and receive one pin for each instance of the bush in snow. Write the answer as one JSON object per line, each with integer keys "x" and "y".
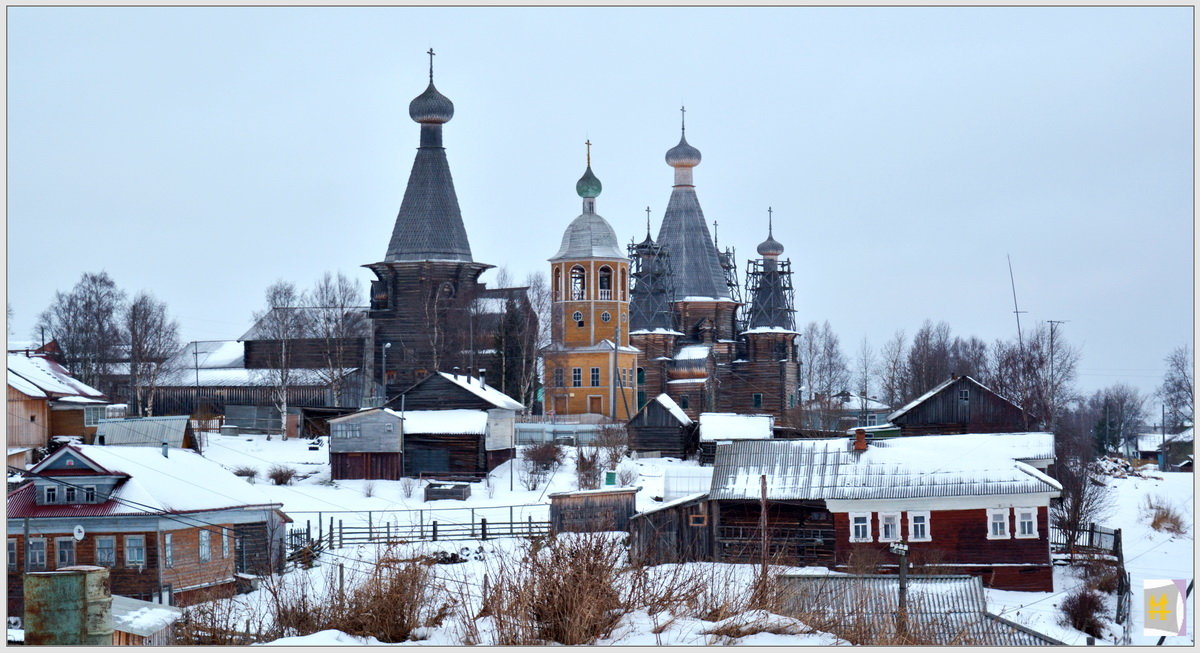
{"x": 408, "y": 484}
{"x": 545, "y": 455}
{"x": 1163, "y": 516}
{"x": 587, "y": 468}
{"x": 246, "y": 472}
{"x": 1082, "y": 610}
{"x": 281, "y": 474}
{"x": 368, "y": 489}
{"x": 613, "y": 443}
{"x": 531, "y": 474}
{"x": 627, "y": 475}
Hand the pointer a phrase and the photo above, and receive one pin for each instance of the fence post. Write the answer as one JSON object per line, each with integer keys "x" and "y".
{"x": 332, "y": 539}
{"x": 320, "y": 525}
{"x": 472, "y": 522}
{"x": 388, "y": 525}
{"x": 530, "y": 525}
{"x": 308, "y": 529}
{"x": 370, "y": 527}
{"x": 341, "y": 534}
{"x": 435, "y": 530}
{"x": 483, "y": 528}
{"x": 422, "y": 517}
{"x": 1092, "y": 535}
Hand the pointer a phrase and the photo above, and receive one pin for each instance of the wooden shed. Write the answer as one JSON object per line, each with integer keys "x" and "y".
{"x": 588, "y": 511}
{"x": 723, "y": 428}
{"x": 662, "y": 426}
{"x": 677, "y": 531}
{"x": 959, "y": 404}
{"x": 366, "y": 444}
{"x": 441, "y": 391}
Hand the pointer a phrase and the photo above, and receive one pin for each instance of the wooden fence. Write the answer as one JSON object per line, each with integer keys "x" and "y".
{"x": 339, "y": 534}
{"x": 1098, "y": 540}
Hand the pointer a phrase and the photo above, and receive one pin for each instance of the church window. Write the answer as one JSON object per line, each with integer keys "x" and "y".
{"x": 605, "y": 316}
{"x": 577, "y": 377}
{"x": 641, "y": 398}
{"x": 683, "y": 401}
{"x": 578, "y": 317}
{"x": 606, "y": 283}
{"x": 557, "y": 284}
{"x": 758, "y": 400}
{"x": 578, "y": 282}
{"x": 624, "y": 286}
{"x": 558, "y": 377}
{"x": 595, "y": 376}
{"x": 641, "y": 375}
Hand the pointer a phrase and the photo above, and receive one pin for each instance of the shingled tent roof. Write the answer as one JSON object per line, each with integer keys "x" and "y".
{"x": 694, "y": 264}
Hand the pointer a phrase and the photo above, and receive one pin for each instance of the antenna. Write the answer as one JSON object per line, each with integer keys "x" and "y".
{"x": 1016, "y": 311}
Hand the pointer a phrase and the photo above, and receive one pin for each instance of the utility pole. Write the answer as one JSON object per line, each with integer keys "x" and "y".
{"x": 901, "y": 549}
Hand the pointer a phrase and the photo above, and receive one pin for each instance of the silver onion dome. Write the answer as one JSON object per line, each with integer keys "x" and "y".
{"x": 683, "y": 155}
{"x": 770, "y": 247}
{"x": 431, "y": 107}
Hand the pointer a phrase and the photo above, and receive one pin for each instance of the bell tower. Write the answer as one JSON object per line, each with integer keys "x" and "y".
{"x": 589, "y": 365}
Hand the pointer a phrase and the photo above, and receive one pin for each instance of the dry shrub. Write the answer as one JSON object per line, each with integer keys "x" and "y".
{"x": 281, "y": 474}
{"x": 1164, "y": 516}
{"x": 757, "y": 622}
{"x": 531, "y": 474}
{"x": 587, "y": 468}
{"x": 612, "y": 442}
{"x": 627, "y": 475}
{"x": 1102, "y": 575}
{"x": 545, "y": 455}
{"x": 408, "y": 485}
{"x": 368, "y": 489}
{"x": 390, "y": 603}
{"x": 564, "y": 590}
{"x": 1082, "y": 610}
{"x": 865, "y": 560}
{"x": 247, "y": 472}
{"x": 218, "y": 621}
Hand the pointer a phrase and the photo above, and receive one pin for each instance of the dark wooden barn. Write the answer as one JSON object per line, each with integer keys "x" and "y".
{"x": 589, "y": 511}
{"x": 662, "y": 426}
{"x": 677, "y": 531}
{"x": 959, "y": 405}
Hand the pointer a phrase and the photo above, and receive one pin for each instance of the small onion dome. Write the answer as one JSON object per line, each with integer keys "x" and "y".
{"x": 588, "y": 185}
{"x": 683, "y": 155}
{"x": 770, "y": 247}
{"x": 431, "y": 107}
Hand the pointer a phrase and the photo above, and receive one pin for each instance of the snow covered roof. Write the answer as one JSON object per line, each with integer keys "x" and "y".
{"x": 1018, "y": 446}
{"x": 938, "y": 388}
{"x": 768, "y": 329}
{"x": 658, "y": 330}
{"x": 25, "y": 387}
{"x": 210, "y": 354}
{"x": 693, "y": 352}
{"x": 142, "y": 618}
{"x": 444, "y": 421}
{"x": 848, "y": 401}
{"x": 485, "y": 392}
{"x": 240, "y": 377}
{"x": 673, "y": 408}
{"x": 50, "y": 377}
{"x": 732, "y": 426}
{"x": 830, "y": 469}
{"x": 184, "y": 481}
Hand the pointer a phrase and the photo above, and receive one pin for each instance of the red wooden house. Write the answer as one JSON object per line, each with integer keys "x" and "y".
{"x": 966, "y": 505}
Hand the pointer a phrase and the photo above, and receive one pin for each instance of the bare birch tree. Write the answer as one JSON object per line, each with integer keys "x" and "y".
{"x": 893, "y": 370}
{"x": 86, "y": 323}
{"x": 153, "y": 340}
{"x": 283, "y": 320}
{"x": 1177, "y": 391}
{"x": 336, "y": 315}
{"x": 864, "y": 370}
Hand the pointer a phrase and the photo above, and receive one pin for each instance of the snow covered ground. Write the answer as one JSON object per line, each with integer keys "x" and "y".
{"x": 1149, "y": 554}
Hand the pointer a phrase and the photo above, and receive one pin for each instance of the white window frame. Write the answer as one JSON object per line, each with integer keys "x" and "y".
{"x": 70, "y": 495}
{"x": 111, "y": 562}
{"x": 89, "y": 494}
{"x": 992, "y": 513}
{"x": 12, "y": 554}
{"x": 226, "y": 538}
{"x": 61, "y": 545}
{"x": 51, "y": 494}
{"x": 30, "y": 563}
{"x": 1033, "y": 519}
{"x": 853, "y": 535}
{"x": 576, "y": 377}
{"x": 93, "y": 414}
{"x": 912, "y": 537}
{"x": 204, "y": 546}
{"x": 345, "y": 431}
{"x": 168, "y": 550}
{"x": 594, "y": 377}
{"x": 872, "y": 419}
{"x": 130, "y": 560}
{"x": 894, "y": 518}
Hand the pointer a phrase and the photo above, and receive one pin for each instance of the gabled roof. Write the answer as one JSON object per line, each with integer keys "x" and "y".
{"x": 910, "y": 467}
{"x": 48, "y": 376}
{"x": 456, "y": 420}
{"x": 486, "y": 392}
{"x": 938, "y": 388}
{"x": 1025, "y": 447}
{"x": 144, "y": 431}
{"x": 673, "y": 408}
{"x": 732, "y": 426}
{"x": 184, "y": 481}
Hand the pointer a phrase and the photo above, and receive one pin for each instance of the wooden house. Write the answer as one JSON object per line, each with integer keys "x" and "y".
{"x": 959, "y": 404}
{"x": 963, "y": 503}
{"x": 366, "y": 444}
{"x": 442, "y": 391}
{"x": 723, "y": 428}
{"x": 171, "y": 529}
{"x": 44, "y": 400}
{"x": 661, "y": 426}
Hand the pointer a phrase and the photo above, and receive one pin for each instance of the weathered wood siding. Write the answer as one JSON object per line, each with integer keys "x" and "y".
{"x": 959, "y": 539}
{"x": 355, "y": 465}
{"x": 28, "y": 420}
{"x": 189, "y": 400}
{"x": 435, "y": 392}
{"x": 443, "y": 452}
{"x": 945, "y": 413}
{"x": 654, "y": 428}
{"x": 592, "y": 511}
{"x": 798, "y": 533}
{"x": 378, "y": 431}
{"x": 680, "y": 533}
{"x": 305, "y": 353}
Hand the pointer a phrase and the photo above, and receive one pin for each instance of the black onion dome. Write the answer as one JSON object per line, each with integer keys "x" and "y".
{"x": 683, "y": 155}
{"x": 770, "y": 247}
{"x": 431, "y": 107}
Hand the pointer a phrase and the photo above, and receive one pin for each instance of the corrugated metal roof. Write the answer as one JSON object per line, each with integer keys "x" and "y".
{"x": 143, "y": 431}
{"x": 942, "y": 610}
{"x": 830, "y": 469}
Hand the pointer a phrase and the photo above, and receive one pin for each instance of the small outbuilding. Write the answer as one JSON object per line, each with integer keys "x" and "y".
{"x": 724, "y": 428}
{"x": 588, "y": 511}
{"x": 661, "y": 426}
{"x": 959, "y": 404}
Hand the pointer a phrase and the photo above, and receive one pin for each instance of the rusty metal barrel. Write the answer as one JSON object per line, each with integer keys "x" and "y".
{"x": 70, "y": 606}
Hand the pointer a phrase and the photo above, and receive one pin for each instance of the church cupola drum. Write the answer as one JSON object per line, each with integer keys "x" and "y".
{"x": 427, "y": 280}
{"x": 589, "y": 365}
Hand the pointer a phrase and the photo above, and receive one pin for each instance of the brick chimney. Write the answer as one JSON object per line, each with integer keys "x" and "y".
{"x": 860, "y": 440}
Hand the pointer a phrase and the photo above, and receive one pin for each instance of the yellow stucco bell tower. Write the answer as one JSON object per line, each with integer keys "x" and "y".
{"x": 589, "y": 365}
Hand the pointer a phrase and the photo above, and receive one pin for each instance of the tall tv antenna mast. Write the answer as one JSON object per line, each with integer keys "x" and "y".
{"x": 1016, "y": 311}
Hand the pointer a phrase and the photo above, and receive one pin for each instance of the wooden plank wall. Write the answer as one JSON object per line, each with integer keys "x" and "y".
{"x": 380, "y": 465}
{"x": 585, "y": 512}
{"x": 983, "y": 412}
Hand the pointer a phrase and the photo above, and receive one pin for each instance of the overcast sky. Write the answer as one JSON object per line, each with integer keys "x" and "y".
{"x": 203, "y": 153}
